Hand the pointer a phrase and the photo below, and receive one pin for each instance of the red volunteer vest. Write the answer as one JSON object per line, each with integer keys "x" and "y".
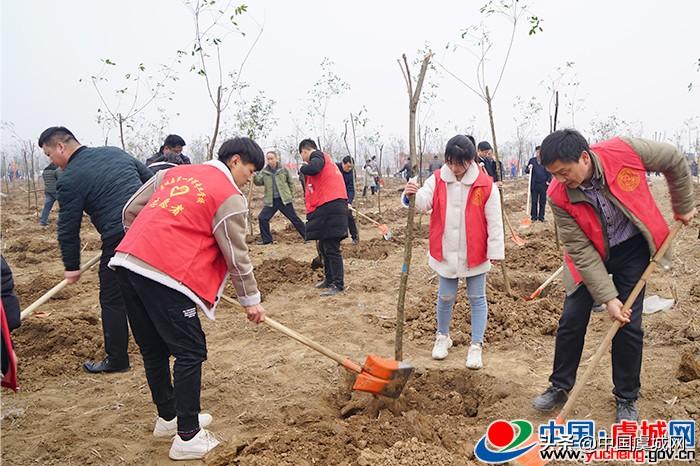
{"x": 326, "y": 186}
{"x": 173, "y": 232}
{"x": 625, "y": 176}
{"x": 474, "y": 218}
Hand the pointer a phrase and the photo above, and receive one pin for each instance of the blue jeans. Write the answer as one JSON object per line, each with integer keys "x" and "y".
{"x": 48, "y": 205}
{"x": 476, "y": 292}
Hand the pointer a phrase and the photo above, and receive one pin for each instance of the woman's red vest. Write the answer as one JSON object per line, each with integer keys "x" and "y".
{"x": 174, "y": 233}
{"x": 625, "y": 176}
{"x": 326, "y": 186}
{"x": 474, "y": 218}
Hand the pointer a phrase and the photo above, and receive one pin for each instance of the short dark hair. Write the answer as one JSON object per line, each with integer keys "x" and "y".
{"x": 484, "y": 145}
{"x": 347, "y": 159}
{"x": 273, "y": 152}
{"x": 565, "y": 145}
{"x": 173, "y": 140}
{"x": 249, "y": 151}
{"x": 538, "y": 147}
{"x": 471, "y": 138}
{"x": 459, "y": 149}
{"x": 51, "y": 136}
{"x": 307, "y": 144}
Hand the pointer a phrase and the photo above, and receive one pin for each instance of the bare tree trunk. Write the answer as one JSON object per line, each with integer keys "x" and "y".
{"x": 554, "y": 128}
{"x": 121, "y": 130}
{"x": 413, "y": 97}
{"x": 250, "y": 208}
{"x": 504, "y": 270}
{"x": 212, "y": 143}
{"x": 29, "y": 181}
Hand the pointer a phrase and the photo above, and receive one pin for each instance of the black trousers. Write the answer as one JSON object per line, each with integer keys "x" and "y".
{"x": 165, "y": 323}
{"x": 538, "y": 195}
{"x": 626, "y": 263}
{"x": 352, "y": 226}
{"x": 287, "y": 210}
{"x": 114, "y": 322}
{"x": 332, "y": 261}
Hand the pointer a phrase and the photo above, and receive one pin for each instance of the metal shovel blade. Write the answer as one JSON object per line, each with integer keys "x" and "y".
{"x": 380, "y": 376}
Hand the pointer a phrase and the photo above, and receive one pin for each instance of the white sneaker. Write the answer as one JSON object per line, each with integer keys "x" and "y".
{"x": 195, "y": 448}
{"x": 474, "y": 357}
{"x": 442, "y": 344}
{"x": 165, "y": 428}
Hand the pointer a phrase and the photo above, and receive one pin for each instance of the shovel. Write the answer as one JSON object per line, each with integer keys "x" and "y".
{"x": 386, "y": 233}
{"x": 546, "y": 283}
{"x": 46, "y": 296}
{"x": 379, "y": 376}
{"x": 532, "y": 457}
{"x": 513, "y": 235}
{"x": 526, "y": 222}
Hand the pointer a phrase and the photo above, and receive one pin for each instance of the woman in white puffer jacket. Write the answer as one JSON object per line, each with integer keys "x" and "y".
{"x": 466, "y": 237}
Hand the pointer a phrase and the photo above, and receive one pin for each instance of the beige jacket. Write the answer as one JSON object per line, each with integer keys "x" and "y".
{"x": 656, "y": 156}
{"x": 228, "y": 227}
{"x": 454, "y": 239}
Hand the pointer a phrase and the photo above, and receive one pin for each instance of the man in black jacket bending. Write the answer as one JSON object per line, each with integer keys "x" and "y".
{"x": 98, "y": 181}
{"x": 326, "y": 212}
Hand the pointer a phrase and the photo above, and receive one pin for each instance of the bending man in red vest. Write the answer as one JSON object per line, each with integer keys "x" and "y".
{"x": 609, "y": 224}
{"x": 185, "y": 232}
{"x": 326, "y": 212}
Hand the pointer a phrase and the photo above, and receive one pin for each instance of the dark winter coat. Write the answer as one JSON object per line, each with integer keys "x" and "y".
{"x": 540, "y": 175}
{"x": 50, "y": 176}
{"x": 349, "y": 182}
{"x": 98, "y": 181}
{"x": 9, "y": 298}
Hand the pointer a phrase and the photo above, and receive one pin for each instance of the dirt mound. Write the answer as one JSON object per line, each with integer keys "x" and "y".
{"x": 689, "y": 367}
{"x": 509, "y": 317}
{"x": 24, "y": 244}
{"x": 57, "y": 344}
{"x": 437, "y": 409}
{"x": 387, "y": 216}
{"x": 272, "y": 272}
{"x": 536, "y": 255}
{"x": 374, "y": 249}
{"x": 695, "y": 292}
{"x": 419, "y": 232}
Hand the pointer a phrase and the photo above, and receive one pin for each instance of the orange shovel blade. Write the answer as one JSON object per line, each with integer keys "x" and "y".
{"x": 526, "y": 222}
{"x": 517, "y": 239}
{"x": 383, "y": 376}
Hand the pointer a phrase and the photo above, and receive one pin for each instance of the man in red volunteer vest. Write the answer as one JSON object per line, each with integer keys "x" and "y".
{"x": 610, "y": 226}
{"x": 326, "y": 213}
{"x": 185, "y": 233}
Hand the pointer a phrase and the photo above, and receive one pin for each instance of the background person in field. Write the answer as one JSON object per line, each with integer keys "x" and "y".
{"x": 345, "y": 167}
{"x": 610, "y": 226}
{"x": 279, "y": 194}
{"x": 185, "y": 232}
{"x": 97, "y": 181}
{"x": 326, "y": 213}
{"x": 538, "y": 186}
{"x": 466, "y": 236}
{"x": 50, "y": 175}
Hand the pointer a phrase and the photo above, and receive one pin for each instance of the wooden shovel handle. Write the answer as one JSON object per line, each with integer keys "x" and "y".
{"x": 607, "y": 341}
{"x": 365, "y": 216}
{"x": 550, "y": 279}
{"x": 345, "y": 362}
{"x": 49, "y": 294}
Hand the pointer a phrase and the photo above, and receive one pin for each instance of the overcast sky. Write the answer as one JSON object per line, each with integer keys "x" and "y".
{"x": 633, "y": 59}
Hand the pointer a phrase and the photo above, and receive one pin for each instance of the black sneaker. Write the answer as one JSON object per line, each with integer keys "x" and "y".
{"x": 552, "y": 398}
{"x": 625, "y": 410}
{"x": 261, "y": 242}
{"x": 323, "y": 284}
{"x": 96, "y": 367}
{"x": 331, "y": 291}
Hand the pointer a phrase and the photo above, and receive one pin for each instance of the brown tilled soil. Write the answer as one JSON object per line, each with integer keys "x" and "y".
{"x": 275, "y": 402}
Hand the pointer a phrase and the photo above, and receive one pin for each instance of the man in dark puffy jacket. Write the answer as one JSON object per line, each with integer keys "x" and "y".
{"x": 50, "y": 176}
{"x": 539, "y": 182}
{"x": 98, "y": 181}
{"x": 346, "y": 169}
{"x": 326, "y": 213}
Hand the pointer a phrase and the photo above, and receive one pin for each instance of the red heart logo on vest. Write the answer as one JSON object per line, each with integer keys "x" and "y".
{"x": 179, "y": 191}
